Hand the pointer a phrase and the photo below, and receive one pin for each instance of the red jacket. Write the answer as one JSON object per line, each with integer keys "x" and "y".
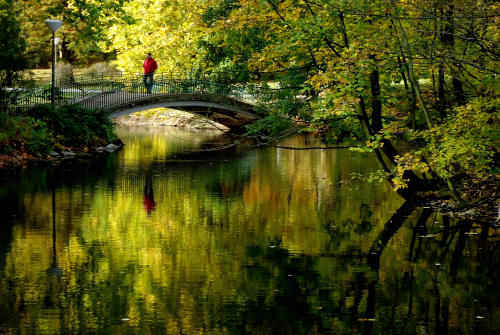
{"x": 149, "y": 65}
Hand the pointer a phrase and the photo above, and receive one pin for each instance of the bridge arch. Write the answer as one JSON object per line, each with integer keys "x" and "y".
{"x": 224, "y": 110}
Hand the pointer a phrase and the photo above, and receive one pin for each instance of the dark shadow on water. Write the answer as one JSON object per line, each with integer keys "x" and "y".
{"x": 433, "y": 315}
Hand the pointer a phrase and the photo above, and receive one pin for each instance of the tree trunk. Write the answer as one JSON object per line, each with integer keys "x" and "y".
{"x": 411, "y": 74}
{"x": 344, "y": 31}
{"x": 410, "y": 91}
{"x": 375, "y": 100}
{"x": 447, "y": 37}
{"x": 458, "y": 89}
{"x": 441, "y": 92}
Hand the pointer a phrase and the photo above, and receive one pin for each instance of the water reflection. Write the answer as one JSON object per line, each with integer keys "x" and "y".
{"x": 268, "y": 241}
{"x": 149, "y": 197}
{"x": 54, "y": 269}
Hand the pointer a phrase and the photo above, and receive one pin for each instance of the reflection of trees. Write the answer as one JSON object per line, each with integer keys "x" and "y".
{"x": 390, "y": 228}
{"x": 373, "y": 259}
{"x": 190, "y": 266}
{"x": 282, "y": 304}
{"x": 11, "y": 210}
{"x": 54, "y": 269}
{"x": 435, "y": 295}
{"x": 285, "y": 248}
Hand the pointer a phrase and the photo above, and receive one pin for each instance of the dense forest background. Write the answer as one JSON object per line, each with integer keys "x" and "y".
{"x": 415, "y": 81}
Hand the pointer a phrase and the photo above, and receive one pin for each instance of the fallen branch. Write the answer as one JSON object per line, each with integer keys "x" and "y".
{"x": 313, "y": 148}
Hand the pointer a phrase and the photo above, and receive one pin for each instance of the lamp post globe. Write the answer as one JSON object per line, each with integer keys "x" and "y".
{"x": 53, "y": 25}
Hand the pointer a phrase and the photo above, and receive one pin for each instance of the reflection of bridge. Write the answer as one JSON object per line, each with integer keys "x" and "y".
{"x": 224, "y": 103}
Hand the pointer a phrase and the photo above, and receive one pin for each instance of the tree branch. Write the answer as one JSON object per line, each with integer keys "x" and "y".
{"x": 314, "y": 148}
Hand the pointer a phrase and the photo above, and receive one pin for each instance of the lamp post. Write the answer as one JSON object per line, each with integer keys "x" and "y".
{"x": 53, "y": 26}
{"x": 57, "y": 40}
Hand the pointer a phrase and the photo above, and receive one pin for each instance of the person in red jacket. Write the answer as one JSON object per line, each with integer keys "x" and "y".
{"x": 150, "y": 67}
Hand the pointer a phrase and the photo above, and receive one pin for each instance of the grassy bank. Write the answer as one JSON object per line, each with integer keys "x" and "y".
{"x": 34, "y": 134}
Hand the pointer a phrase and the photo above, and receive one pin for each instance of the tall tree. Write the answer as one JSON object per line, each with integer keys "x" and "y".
{"x": 171, "y": 31}
{"x": 13, "y": 56}
{"x": 84, "y": 32}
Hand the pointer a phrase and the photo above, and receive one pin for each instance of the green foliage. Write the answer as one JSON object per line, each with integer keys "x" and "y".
{"x": 13, "y": 59}
{"x": 172, "y": 33}
{"x": 76, "y": 126}
{"x": 467, "y": 142}
{"x": 84, "y": 31}
{"x": 221, "y": 10}
{"x": 46, "y": 92}
{"x": 24, "y": 134}
{"x": 336, "y": 120}
{"x": 47, "y": 127}
{"x": 272, "y": 125}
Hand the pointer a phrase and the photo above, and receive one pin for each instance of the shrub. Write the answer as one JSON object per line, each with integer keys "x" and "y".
{"x": 47, "y": 127}
{"x": 76, "y": 126}
{"x": 64, "y": 71}
{"x": 467, "y": 141}
{"x": 272, "y": 125}
{"x": 100, "y": 67}
{"x": 464, "y": 145}
{"x": 24, "y": 134}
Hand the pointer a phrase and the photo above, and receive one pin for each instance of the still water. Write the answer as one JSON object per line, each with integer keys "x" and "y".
{"x": 154, "y": 239}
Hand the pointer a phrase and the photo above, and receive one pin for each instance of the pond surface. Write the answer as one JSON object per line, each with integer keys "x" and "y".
{"x": 156, "y": 240}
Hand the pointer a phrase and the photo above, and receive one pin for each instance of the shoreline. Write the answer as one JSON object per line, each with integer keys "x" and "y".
{"x": 24, "y": 160}
{"x": 483, "y": 213}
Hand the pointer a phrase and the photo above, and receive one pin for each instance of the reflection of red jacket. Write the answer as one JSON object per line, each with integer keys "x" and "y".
{"x": 149, "y": 65}
{"x": 149, "y": 204}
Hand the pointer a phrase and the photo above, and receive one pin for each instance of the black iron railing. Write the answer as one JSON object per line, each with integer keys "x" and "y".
{"x": 107, "y": 89}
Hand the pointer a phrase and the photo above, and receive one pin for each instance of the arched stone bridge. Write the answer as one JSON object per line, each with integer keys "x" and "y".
{"x": 224, "y": 110}
{"x": 223, "y": 103}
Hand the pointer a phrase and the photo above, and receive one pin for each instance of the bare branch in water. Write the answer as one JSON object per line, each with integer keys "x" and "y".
{"x": 314, "y": 148}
